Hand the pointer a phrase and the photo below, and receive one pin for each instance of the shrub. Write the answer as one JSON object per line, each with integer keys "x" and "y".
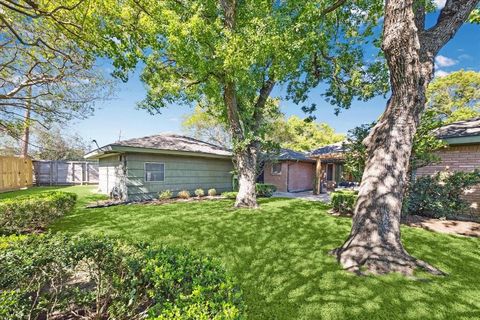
{"x": 230, "y": 194}
{"x": 33, "y": 212}
{"x": 184, "y": 194}
{"x": 265, "y": 190}
{"x": 63, "y": 277}
{"x": 212, "y": 192}
{"x": 165, "y": 195}
{"x": 199, "y": 192}
{"x": 441, "y": 195}
{"x": 343, "y": 201}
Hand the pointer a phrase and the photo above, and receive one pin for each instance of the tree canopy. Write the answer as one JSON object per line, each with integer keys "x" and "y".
{"x": 229, "y": 55}
{"x": 43, "y": 65}
{"x": 292, "y": 133}
{"x": 303, "y": 135}
{"x": 455, "y": 96}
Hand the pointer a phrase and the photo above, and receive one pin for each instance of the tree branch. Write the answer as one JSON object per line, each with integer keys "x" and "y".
{"x": 451, "y": 18}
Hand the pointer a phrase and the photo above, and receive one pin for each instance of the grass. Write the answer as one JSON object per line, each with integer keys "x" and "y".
{"x": 279, "y": 256}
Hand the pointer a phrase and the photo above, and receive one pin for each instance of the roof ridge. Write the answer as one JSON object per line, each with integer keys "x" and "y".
{"x": 170, "y": 134}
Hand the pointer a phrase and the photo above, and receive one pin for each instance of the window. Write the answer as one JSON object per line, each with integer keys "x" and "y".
{"x": 154, "y": 171}
{"x": 276, "y": 168}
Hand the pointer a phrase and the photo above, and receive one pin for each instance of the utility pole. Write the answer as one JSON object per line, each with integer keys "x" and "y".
{"x": 26, "y": 126}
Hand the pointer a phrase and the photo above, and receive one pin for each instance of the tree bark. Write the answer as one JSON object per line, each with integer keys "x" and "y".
{"x": 245, "y": 156}
{"x": 374, "y": 243}
{"x": 246, "y": 164}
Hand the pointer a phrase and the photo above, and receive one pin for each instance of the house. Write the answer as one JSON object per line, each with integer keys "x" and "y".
{"x": 138, "y": 169}
{"x": 461, "y": 154}
{"x": 329, "y": 168}
{"x": 290, "y": 171}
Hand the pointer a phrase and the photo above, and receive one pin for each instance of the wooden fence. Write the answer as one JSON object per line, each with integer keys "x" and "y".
{"x": 15, "y": 173}
{"x": 50, "y": 172}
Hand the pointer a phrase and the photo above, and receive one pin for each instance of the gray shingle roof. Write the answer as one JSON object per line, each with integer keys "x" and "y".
{"x": 288, "y": 154}
{"x": 331, "y": 148}
{"x": 466, "y": 128}
{"x": 170, "y": 142}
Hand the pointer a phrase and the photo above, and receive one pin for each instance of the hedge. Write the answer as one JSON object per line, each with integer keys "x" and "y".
{"x": 441, "y": 195}
{"x": 343, "y": 201}
{"x": 34, "y": 212}
{"x": 96, "y": 277}
{"x": 265, "y": 190}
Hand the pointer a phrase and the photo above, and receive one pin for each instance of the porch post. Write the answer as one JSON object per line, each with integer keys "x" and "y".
{"x": 318, "y": 177}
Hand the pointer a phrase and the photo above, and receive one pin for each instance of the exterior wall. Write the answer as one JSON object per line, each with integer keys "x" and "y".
{"x": 278, "y": 180}
{"x": 111, "y": 174}
{"x": 294, "y": 177}
{"x": 301, "y": 176}
{"x": 458, "y": 158}
{"x": 181, "y": 173}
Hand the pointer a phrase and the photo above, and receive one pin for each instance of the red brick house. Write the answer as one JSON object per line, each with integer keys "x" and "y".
{"x": 290, "y": 171}
{"x": 461, "y": 154}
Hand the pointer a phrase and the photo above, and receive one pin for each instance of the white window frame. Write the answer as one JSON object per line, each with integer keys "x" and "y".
{"x": 145, "y": 172}
{"x": 274, "y": 173}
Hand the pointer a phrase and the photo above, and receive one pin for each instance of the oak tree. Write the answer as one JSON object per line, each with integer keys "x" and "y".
{"x": 374, "y": 243}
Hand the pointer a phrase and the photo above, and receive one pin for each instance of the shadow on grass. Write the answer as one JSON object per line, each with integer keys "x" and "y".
{"x": 279, "y": 255}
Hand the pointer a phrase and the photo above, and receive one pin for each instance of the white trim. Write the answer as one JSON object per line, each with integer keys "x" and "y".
{"x": 145, "y": 171}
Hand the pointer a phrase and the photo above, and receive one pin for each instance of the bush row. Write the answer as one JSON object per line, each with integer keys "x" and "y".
{"x": 34, "y": 212}
{"x": 436, "y": 196}
{"x": 62, "y": 277}
{"x": 185, "y": 194}
{"x": 441, "y": 195}
{"x": 262, "y": 190}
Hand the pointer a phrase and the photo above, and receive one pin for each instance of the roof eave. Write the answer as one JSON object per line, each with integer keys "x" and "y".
{"x": 116, "y": 149}
{"x": 461, "y": 140}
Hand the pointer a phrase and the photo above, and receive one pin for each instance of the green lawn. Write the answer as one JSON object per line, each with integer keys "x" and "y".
{"x": 278, "y": 254}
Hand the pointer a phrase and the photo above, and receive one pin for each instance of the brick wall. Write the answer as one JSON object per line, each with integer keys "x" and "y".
{"x": 278, "y": 180}
{"x": 459, "y": 158}
{"x": 299, "y": 176}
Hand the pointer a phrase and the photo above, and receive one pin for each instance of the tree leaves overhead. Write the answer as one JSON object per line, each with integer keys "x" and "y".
{"x": 455, "y": 97}
{"x": 187, "y": 52}
{"x": 44, "y": 65}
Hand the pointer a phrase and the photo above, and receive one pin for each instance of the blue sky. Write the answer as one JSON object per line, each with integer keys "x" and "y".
{"x": 119, "y": 116}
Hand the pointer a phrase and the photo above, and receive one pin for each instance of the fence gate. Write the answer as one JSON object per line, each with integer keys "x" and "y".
{"x": 52, "y": 172}
{"x": 15, "y": 173}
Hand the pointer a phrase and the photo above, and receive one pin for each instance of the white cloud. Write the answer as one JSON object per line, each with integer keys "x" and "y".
{"x": 443, "y": 61}
{"x": 465, "y": 57}
{"x": 441, "y": 73}
{"x": 439, "y": 3}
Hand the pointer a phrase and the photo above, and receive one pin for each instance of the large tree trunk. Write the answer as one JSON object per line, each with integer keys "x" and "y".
{"x": 374, "y": 243}
{"x": 246, "y": 165}
{"x": 245, "y": 156}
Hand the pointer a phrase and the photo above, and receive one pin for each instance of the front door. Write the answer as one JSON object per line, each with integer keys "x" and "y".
{"x": 329, "y": 171}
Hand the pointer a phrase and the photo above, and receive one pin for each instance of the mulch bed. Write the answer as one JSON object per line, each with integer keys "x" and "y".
{"x": 110, "y": 203}
{"x": 464, "y": 228}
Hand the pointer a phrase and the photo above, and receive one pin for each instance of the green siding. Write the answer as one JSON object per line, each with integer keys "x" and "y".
{"x": 181, "y": 173}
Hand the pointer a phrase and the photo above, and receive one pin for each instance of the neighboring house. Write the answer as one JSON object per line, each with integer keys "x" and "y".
{"x": 290, "y": 171}
{"x": 461, "y": 154}
{"x": 138, "y": 169}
